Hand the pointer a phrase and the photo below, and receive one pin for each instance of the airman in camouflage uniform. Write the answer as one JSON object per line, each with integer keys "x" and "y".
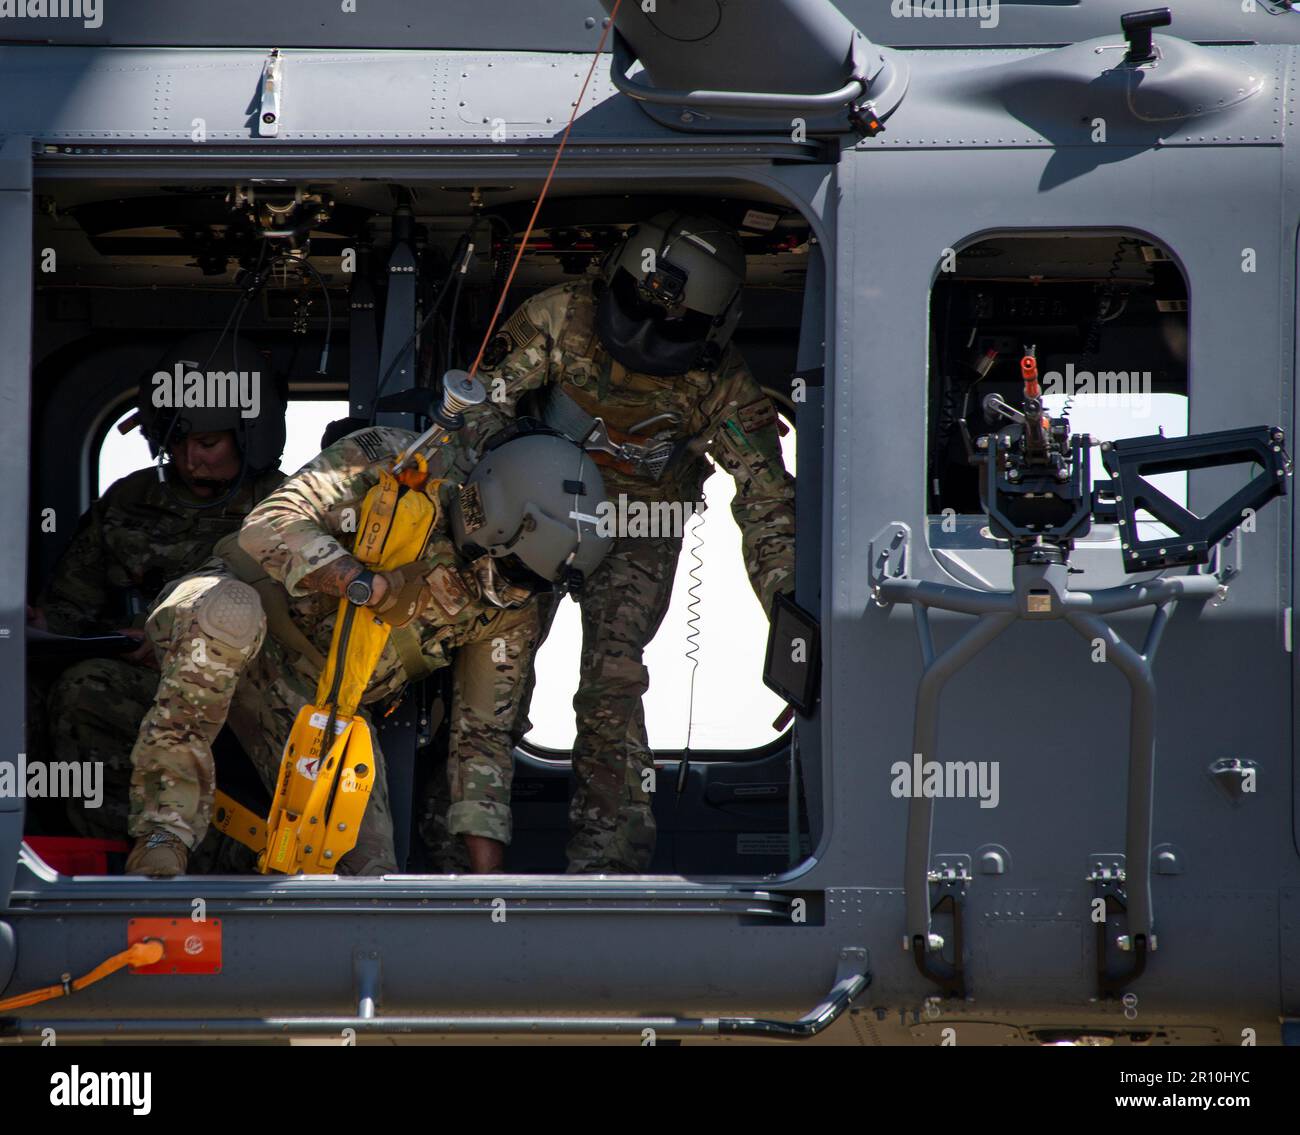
{"x": 219, "y": 664}
{"x": 554, "y": 341}
{"x": 137, "y": 536}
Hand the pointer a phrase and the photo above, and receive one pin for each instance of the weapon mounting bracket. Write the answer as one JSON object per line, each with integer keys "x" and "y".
{"x": 1130, "y": 460}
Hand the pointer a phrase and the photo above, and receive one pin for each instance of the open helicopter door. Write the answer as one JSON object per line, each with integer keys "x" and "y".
{"x": 15, "y": 369}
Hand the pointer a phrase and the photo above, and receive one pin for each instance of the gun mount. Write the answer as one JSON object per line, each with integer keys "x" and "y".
{"x": 1036, "y": 490}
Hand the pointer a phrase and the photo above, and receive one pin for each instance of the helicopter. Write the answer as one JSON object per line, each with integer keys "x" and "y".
{"x": 1022, "y": 284}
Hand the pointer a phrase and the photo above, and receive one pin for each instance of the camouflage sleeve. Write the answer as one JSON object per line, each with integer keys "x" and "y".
{"x": 76, "y": 599}
{"x": 516, "y": 360}
{"x": 746, "y": 444}
{"x": 298, "y": 528}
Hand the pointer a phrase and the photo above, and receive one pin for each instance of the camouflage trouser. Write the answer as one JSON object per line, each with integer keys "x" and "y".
{"x": 219, "y": 667}
{"x": 611, "y": 823}
{"x": 95, "y": 709}
{"x": 610, "y": 816}
{"x": 470, "y": 794}
{"x": 446, "y": 851}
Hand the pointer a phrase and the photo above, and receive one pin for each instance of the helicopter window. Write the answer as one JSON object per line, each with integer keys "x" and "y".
{"x": 305, "y": 421}
{"x": 732, "y": 709}
{"x": 1105, "y": 316}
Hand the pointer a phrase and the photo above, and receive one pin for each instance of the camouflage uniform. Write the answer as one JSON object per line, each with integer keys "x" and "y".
{"x": 219, "y": 665}
{"x": 127, "y": 545}
{"x": 721, "y": 414}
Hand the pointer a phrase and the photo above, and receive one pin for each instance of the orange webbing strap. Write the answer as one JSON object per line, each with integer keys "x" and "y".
{"x": 140, "y": 954}
{"x": 546, "y": 185}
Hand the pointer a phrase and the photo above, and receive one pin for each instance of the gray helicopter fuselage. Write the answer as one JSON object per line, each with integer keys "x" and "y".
{"x": 984, "y": 141}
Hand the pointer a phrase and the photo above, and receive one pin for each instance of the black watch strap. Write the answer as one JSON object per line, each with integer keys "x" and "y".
{"x": 361, "y": 588}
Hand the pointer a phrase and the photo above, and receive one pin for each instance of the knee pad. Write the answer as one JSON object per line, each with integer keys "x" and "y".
{"x": 232, "y": 613}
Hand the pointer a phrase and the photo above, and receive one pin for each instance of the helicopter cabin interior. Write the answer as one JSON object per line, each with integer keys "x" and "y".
{"x": 127, "y": 269}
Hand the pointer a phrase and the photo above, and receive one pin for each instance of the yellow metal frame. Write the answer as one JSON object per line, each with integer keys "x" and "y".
{"x": 321, "y": 797}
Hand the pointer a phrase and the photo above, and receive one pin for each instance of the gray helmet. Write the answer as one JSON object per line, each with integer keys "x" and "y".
{"x": 672, "y": 294}
{"x": 532, "y": 504}
{"x": 211, "y": 382}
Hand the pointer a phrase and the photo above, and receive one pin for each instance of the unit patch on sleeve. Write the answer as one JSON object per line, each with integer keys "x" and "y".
{"x": 448, "y": 591}
{"x": 521, "y": 329}
{"x": 757, "y": 416}
{"x": 371, "y": 443}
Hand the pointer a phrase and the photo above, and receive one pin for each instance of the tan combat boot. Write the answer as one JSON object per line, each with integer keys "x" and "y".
{"x": 159, "y": 854}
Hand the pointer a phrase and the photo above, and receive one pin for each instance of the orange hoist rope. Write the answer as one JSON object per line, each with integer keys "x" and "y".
{"x": 141, "y": 954}
{"x": 546, "y": 185}
{"x": 147, "y": 953}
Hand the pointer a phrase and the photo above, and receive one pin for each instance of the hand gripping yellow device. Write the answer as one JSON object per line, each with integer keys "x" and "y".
{"x": 328, "y": 767}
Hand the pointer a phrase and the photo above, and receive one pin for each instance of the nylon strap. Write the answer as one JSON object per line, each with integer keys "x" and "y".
{"x": 406, "y": 641}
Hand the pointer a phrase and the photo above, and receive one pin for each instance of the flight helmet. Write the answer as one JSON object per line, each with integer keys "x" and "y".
{"x": 670, "y": 298}
{"x": 527, "y": 516}
{"x": 211, "y": 382}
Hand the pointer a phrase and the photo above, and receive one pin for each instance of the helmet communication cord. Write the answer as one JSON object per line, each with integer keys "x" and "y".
{"x": 693, "y": 657}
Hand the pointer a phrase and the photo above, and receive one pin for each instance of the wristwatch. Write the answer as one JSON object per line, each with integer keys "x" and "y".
{"x": 362, "y": 588}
